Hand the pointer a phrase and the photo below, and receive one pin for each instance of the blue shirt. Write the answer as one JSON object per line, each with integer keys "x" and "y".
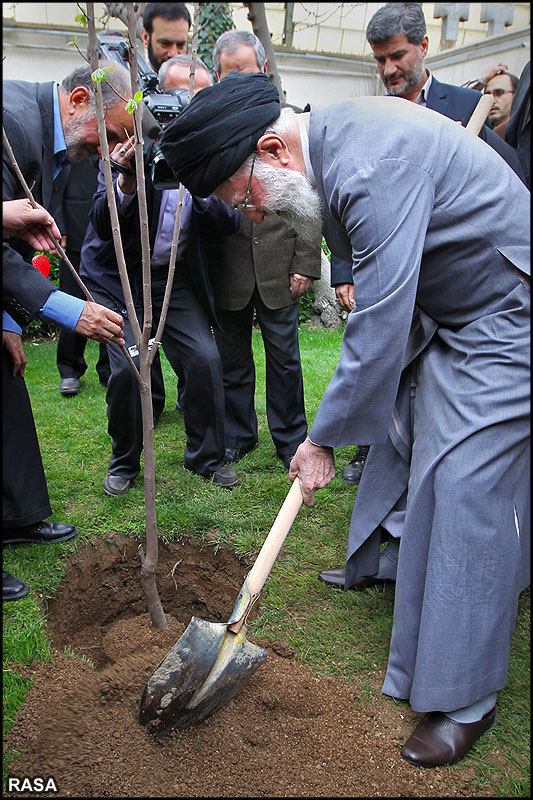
{"x": 60, "y": 308}
{"x": 165, "y": 226}
{"x": 165, "y": 223}
{"x": 60, "y": 147}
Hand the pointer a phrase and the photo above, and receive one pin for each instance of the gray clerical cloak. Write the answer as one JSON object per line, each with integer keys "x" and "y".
{"x": 436, "y": 225}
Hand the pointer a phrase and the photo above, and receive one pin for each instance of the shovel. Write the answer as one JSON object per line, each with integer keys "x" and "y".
{"x": 212, "y": 660}
{"x": 480, "y": 113}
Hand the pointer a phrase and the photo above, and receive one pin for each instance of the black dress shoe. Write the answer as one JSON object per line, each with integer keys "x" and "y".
{"x": 40, "y": 533}
{"x": 337, "y": 577}
{"x": 13, "y": 588}
{"x": 115, "y": 485}
{"x": 234, "y": 454}
{"x": 439, "y": 740}
{"x": 224, "y": 476}
{"x": 353, "y": 470}
{"x": 68, "y": 387}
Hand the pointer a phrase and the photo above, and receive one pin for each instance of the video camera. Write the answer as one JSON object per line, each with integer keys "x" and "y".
{"x": 160, "y": 107}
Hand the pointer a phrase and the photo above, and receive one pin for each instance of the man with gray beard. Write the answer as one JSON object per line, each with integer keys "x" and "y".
{"x": 436, "y": 225}
{"x": 52, "y": 124}
{"x": 47, "y": 125}
{"x": 289, "y": 195}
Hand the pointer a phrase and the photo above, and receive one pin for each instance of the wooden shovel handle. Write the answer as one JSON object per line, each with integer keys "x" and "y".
{"x": 277, "y": 535}
{"x": 480, "y": 113}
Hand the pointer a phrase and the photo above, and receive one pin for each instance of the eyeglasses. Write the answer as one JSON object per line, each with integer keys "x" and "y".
{"x": 245, "y": 205}
{"x": 497, "y": 92}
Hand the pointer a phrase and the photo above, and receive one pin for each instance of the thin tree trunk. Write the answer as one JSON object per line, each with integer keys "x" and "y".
{"x": 147, "y": 352}
{"x": 257, "y": 16}
{"x": 148, "y": 563}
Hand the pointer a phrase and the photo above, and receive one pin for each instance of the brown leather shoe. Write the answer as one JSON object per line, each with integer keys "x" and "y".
{"x": 439, "y": 740}
{"x": 337, "y": 577}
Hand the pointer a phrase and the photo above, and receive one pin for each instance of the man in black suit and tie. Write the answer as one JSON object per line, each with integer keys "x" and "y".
{"x": 518, "y": 131}
{"x": 47, "y": 125}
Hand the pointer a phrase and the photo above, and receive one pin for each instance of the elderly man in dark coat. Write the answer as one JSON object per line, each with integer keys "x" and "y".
{"x": 47, "y": 126}
{"x": 437, "y": 227}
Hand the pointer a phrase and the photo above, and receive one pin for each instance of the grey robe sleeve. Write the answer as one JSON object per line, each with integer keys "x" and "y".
{"x": 385, "y": 210}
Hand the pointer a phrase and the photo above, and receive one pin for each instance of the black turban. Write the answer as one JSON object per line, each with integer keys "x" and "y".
{"x": 214, "y": 135}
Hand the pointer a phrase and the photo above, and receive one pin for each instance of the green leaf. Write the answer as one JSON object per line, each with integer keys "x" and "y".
{"x": 100, "y": 74}
{"x": 82, "y": 18}
{"x": 72, "y": 43}
{"x": 138, "y": 96}
{"x": 132, "y": 105}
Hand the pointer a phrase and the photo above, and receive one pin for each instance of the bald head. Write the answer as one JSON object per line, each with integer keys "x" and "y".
{"x": 175, "y": 72}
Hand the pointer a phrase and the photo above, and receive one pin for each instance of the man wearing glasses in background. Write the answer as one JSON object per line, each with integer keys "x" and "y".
{"x": 502, "y": 88}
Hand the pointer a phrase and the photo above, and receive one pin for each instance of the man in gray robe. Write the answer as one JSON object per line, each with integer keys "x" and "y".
{"x": 437, "y": 228}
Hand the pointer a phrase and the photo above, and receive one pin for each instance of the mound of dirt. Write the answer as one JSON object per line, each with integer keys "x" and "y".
{"x": 287, "y": 733}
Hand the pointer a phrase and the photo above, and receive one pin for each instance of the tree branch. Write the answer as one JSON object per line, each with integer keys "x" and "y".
{"x": 257, "y": 16}
{"x": 141, "y": 186}
{"x": 179, "y": 208}
{"x": 115, "y": 225}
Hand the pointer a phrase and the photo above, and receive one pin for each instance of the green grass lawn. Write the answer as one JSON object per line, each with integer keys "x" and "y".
{"x": 341, "y": 634}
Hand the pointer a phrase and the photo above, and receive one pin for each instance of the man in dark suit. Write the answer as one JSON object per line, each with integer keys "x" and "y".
{"x": 398, "y": 38}
{"x": 397, "y": 35}
{"x": 47, "y": 125}
{"x": 264, "y": 272}
{"x": 77, "y": 199}
{"x": 25, "y": 501}
{"x": 187, "y": 339}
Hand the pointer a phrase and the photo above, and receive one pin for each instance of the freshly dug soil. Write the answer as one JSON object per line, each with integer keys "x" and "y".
{"x": 287, "y": 733}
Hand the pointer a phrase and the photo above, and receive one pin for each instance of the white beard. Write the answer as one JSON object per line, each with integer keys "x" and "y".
{"x": 289, "y": 194}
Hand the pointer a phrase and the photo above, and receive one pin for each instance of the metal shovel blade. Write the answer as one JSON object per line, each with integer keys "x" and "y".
{"x": 207, "y": 666}
{"x": 211, "y": 661}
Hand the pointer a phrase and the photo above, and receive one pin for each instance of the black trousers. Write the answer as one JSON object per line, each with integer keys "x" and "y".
{"x": 24, "y": 491}
{"x": 189, "y": 345}
{"x": 71, "y": 346}
{"x": 284, "y": 383}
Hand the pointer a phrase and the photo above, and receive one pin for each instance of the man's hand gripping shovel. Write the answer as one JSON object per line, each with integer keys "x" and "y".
{"x": 211, "y": 661}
